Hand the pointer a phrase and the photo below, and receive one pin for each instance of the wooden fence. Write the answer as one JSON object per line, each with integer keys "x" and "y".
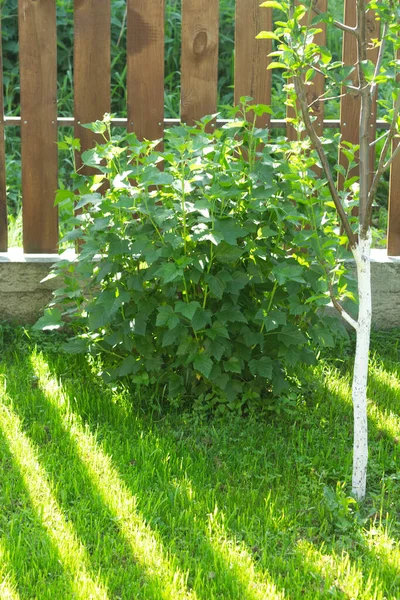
{"x": 39, "y": 121}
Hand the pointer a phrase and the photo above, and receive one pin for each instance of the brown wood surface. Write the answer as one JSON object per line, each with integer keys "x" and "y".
{"x": 145, "y": 68}
{"x": 3, "y": 194}
{"x": 393, "y": 234}
{"x": 38, "y": 68}
{"x": 91, "y": 66}
{"x": 199, "y": 59}
{"x": 350, "y": 104}
{"x": 316, "y": 88}
{"x": 251, "y": 55}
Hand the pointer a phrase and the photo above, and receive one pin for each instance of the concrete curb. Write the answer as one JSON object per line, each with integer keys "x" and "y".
{"x": 23, "y": 297}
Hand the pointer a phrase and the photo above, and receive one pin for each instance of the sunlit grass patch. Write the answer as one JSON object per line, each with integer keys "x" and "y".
{"x": 7, "y": 579}
{"x": 71, "y": 553}
{"x": 167, "y": 506}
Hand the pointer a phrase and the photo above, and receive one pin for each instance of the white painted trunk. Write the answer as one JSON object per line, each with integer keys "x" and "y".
{"x": 362, "y": 257}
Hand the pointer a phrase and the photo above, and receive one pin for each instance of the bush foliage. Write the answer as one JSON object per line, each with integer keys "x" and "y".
{"x": 183, "y": 280}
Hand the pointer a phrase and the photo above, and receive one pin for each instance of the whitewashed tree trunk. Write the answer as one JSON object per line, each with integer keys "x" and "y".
{"x": 362, "y": 256}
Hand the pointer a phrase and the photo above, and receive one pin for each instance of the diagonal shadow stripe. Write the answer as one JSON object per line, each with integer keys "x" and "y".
{"x": 118, "y": 440}
{"x": 32, "y": 536}
{"x": 8, "y": 585}
{"x": 175, "y": 478}
{"x": 123, "y": 548}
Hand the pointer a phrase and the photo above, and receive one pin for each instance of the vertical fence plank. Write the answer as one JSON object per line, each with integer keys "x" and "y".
{"x": 199, "y": 59}
{"x": 145, "y": 68}
{"x": 92, "y": 65}
{"x": 393, "y": 233}
{"x": 350, "y": 103}
{"x": 316, "y": 88}
{"x": 251, "y": 55}
{"x": 38, "y": 69}
{"x": 3, "y": 195}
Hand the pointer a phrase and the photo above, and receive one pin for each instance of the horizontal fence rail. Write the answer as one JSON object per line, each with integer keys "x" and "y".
{"x": 145, "y": 34}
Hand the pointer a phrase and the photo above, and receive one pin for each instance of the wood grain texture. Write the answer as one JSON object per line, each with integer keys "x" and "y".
{"x": 393, "y": 234}
{"x": 251, "y": 55}
{"x": 38, "y": 69}
{"x": 350, "y": 104}
{"x": 92, "y": 66}
{"x": 199, "y": 59}
{"x": 145, "y": 68}
{"x": 3, "y": 194}
{"x": 316, "y": 87}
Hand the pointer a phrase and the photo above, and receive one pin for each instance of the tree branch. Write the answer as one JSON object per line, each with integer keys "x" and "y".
{"x": 337, "y": 24}
{"x": 301, "y": 96}
{"x": 380, "y": 58}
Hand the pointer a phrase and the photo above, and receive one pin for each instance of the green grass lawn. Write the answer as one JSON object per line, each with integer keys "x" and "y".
{"x": 102, "y": 499}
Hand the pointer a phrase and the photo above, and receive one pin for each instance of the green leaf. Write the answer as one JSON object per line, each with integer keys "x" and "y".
{"x": 171, "y": 336}
{"x": 75, "y": 346}
{"x": 288, "y": 272}
{"x": 169, "y": 272}
{"x": 96, "y": 127}
{"x": 326, "y": 55}
{"x": 216, "y": 285}
{"x": 63, "y": 195}
{"x": 233, "y": 365}
{"x": 253, "y": 338}
{"x": 166, "y": 317}
{"x": 89, "y": 199}
{"x": 234, "y": 315}
{"x": 229, "y": 230}
{"x": 187, "y": 309}
{"x": 272, "y": 4}
{"x": 203, "y": 364}
{"x": 272, "y": 320}
{"x": 276, "y": 65}
{"x": 129, "y": 365}
{"x": 267, "y": 35}
{"x": 200, "y": 319}
{"x": 228, "y": 254}
{"x": 164, "y": 314}
{"x": 268, "y": 232}
{"x": 139, "y": 324}
{"x": 291, "y": 336}
{"x": 238, "y": 282}
{"x": 218, "y": 329}
{"x": 262, "y": 367}
{"x": 217, "y": 348}
{"x": 51, "y": 320}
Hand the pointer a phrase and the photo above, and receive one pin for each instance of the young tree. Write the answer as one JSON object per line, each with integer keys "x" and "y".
{"x": 301, "y": 58}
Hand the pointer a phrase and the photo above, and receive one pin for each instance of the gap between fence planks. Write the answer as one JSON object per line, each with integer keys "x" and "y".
{"x": 145, "y": 51}
{"x": 3, "y": 192}
{"x": 92, "y": 68}
{"x": 38, "y": 78}
{"x": 251, "y": 56}
{"x": 199, "y": 59}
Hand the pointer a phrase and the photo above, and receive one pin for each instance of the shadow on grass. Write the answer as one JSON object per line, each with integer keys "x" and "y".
{"x": 33, "y": 558}
{"x": 83, "y": 504}
{"x": 208, "y": 464}
{"x": 196, "y": 492}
